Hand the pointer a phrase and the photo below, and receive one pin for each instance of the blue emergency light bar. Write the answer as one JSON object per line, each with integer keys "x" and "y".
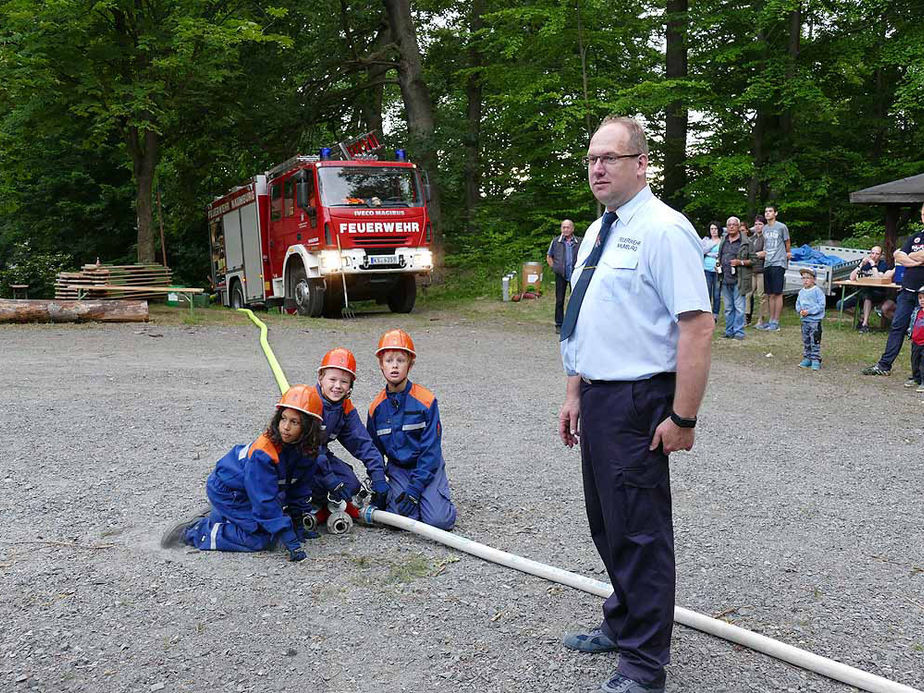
{"x": 400, "y": 155}
{"x": 325, "y": 153}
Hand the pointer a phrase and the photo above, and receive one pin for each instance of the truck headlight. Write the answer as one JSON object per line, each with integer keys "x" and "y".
{"x": 330, "y": 259}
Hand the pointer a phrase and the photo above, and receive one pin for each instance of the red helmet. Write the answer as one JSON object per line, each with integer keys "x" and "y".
{"x": 396, "y": 339}
{"x": 339, "y": 358}
{"x": 303, "y": 398}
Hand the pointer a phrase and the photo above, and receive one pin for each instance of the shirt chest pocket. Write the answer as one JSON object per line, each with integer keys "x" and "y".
{"x": 619, "y": 275}
{"x": 413, "y": 425}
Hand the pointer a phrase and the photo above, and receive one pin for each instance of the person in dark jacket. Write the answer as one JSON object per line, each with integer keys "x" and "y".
{"x": 259, "y": 493}
{"x": 560, "y": 256}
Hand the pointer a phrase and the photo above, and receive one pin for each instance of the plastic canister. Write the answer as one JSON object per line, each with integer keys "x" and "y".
{"x": 532, "y": 275}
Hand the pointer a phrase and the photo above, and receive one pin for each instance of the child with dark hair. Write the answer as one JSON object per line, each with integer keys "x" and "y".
{"x": 259, "y": 493}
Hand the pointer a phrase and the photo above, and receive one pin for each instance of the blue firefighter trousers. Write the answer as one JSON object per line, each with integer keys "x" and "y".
{"x": 342, "y": 473}
{"x": 628, "y": 499}
{"x": 231, "y": 526}
{"x": 435, "y": 507}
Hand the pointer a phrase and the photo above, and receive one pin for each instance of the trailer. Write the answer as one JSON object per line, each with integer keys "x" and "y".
{"x": 826, "y": 275}
{"x": 318, "y": 232}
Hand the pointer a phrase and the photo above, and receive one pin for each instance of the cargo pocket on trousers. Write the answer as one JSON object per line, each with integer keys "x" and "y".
{"x": 648, "y": 500}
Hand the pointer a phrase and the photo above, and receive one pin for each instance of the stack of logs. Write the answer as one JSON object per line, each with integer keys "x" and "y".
{"x": 101, "y": 281}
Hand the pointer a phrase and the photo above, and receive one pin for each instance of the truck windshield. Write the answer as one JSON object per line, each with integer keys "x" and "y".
{"x": 367, "y": 186}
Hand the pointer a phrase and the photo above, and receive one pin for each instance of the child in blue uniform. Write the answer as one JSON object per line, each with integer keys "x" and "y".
{"x": 404, "y": 423}
{"x": 260, "y": 492}
{"x": 342, "y": 423}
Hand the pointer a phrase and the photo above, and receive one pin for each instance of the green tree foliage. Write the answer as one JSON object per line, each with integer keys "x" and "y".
{"x": 794, "y": 102}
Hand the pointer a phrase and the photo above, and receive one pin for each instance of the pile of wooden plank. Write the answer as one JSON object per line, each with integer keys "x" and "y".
{"x": 113, "y": 281}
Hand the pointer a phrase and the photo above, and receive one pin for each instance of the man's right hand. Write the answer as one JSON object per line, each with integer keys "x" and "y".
{"x": 570, "y": 415}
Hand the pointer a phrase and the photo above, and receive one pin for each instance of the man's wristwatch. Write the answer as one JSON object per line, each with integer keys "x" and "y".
{"x": 682, "y": 422}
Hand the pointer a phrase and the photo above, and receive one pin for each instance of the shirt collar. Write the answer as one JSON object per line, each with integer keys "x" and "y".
{"x": 628, "y": 210}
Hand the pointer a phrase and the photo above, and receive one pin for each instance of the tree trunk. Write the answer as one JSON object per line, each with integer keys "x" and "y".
{"x": 375, "y": 74}
{"x": 73, "y": 311}
{"x": 792, "y": 51}
{"x": 675, "y": 127}
{"x": 143, "y": 148}
{"x": 418, "y": 107}
{"x": 472, "y": 143}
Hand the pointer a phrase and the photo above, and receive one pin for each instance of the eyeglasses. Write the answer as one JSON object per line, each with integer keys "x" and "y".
{"x": 607, "y": 159}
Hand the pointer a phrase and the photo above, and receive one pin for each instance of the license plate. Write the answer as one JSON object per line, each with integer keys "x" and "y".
{"x": 383, "y": 259}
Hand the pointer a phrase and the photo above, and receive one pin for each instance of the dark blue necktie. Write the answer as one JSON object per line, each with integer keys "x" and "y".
{"x": 590, "y": 264}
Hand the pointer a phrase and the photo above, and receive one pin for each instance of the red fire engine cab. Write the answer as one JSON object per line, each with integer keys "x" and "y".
{"x": 315, "y": 232}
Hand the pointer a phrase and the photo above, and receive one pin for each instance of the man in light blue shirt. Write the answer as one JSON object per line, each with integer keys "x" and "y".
{"x": 635, "y": 344}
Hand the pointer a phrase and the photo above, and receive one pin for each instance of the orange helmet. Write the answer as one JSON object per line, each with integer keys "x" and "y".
{"x": 304, "y": 399}
{"x": 396, "y": 339}
{"x": 339, "y": 358}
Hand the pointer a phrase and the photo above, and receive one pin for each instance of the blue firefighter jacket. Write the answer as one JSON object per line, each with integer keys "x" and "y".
{"x": 271, "y": 476}
{"x": 405, "y": 426}
{"x": 342, "y": 423}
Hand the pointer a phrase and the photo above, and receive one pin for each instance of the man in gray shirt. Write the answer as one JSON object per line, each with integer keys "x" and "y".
{"x": 776, "y": 258}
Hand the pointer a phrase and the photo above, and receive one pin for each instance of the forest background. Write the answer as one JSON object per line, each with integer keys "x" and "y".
{"x": 104, "y": 104}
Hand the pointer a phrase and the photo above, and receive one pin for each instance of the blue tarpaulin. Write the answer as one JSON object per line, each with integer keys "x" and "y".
{"x": 807, "y": 253}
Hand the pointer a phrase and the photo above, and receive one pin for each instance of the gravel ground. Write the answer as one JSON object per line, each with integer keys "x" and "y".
{"x": 791, "y": 520}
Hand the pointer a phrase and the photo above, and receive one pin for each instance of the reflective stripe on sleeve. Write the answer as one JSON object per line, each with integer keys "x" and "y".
{"x": 213, "y": 545}
{"x": 414, "y": 427}
{"x": 383, "y": 432}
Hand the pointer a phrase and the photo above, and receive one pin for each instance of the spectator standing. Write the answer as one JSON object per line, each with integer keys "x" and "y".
{"x": 776, "y": 258}
{"x": 710, "y": 245}
{"x": 635, "y": 345}
{"x": 873, "y": 265}
{"x": 560, "y": 256}
{"x": 916, "y": 332}
{"x": 735, "y": 260}
{"x": 911, "y": 257}
{"x": 758, "y": 297}
{"x": 810, "y": 305}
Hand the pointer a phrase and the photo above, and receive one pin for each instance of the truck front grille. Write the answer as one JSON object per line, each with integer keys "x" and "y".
{"x": 380, "y": 240}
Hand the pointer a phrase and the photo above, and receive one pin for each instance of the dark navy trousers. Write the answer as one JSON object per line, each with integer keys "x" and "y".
{"x": 628, "y": 498}
{"x": 905, "y": 303}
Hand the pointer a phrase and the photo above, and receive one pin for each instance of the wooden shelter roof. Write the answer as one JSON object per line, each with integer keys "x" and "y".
{"x": 903, "y": 191}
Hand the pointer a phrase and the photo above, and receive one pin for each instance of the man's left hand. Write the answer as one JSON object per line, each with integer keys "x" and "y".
{"x": 671, "y": 437}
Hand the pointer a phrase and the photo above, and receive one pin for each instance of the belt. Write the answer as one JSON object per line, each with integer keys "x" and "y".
{"x": 656, "y": 376}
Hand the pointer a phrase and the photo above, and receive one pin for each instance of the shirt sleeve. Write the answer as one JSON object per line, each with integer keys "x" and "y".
{"x": 549, "y": 251}
{"x": 906, "y": 246}
{"x": 373, "y": 435}
{"x": 261, "y": 481}
{"x": 676, "y": 265}
{"x": 298, "y": 493}
{"x": 355, "y": 438}
{"x": 431, "y": 454}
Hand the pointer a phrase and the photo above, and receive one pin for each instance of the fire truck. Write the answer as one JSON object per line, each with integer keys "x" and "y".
{"x": 317, "y": 232}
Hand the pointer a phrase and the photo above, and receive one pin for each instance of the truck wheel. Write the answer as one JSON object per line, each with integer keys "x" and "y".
{"x": 308, "y": 294}
{"x": 333, "y": 300}
{"x": 237, "y": 296}
{"x": 403, "y": 296}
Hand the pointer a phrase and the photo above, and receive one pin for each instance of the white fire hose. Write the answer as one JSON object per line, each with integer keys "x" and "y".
{"x": 754, "y": 641}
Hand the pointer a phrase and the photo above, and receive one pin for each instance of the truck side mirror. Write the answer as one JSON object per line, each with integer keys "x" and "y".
{"x": 428, "y": 192}
{"x": 302, "y": 191}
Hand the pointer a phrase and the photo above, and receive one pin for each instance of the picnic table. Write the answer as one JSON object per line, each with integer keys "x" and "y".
{"x": 861, "y": 283}
{"x": 186, "y": 292}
